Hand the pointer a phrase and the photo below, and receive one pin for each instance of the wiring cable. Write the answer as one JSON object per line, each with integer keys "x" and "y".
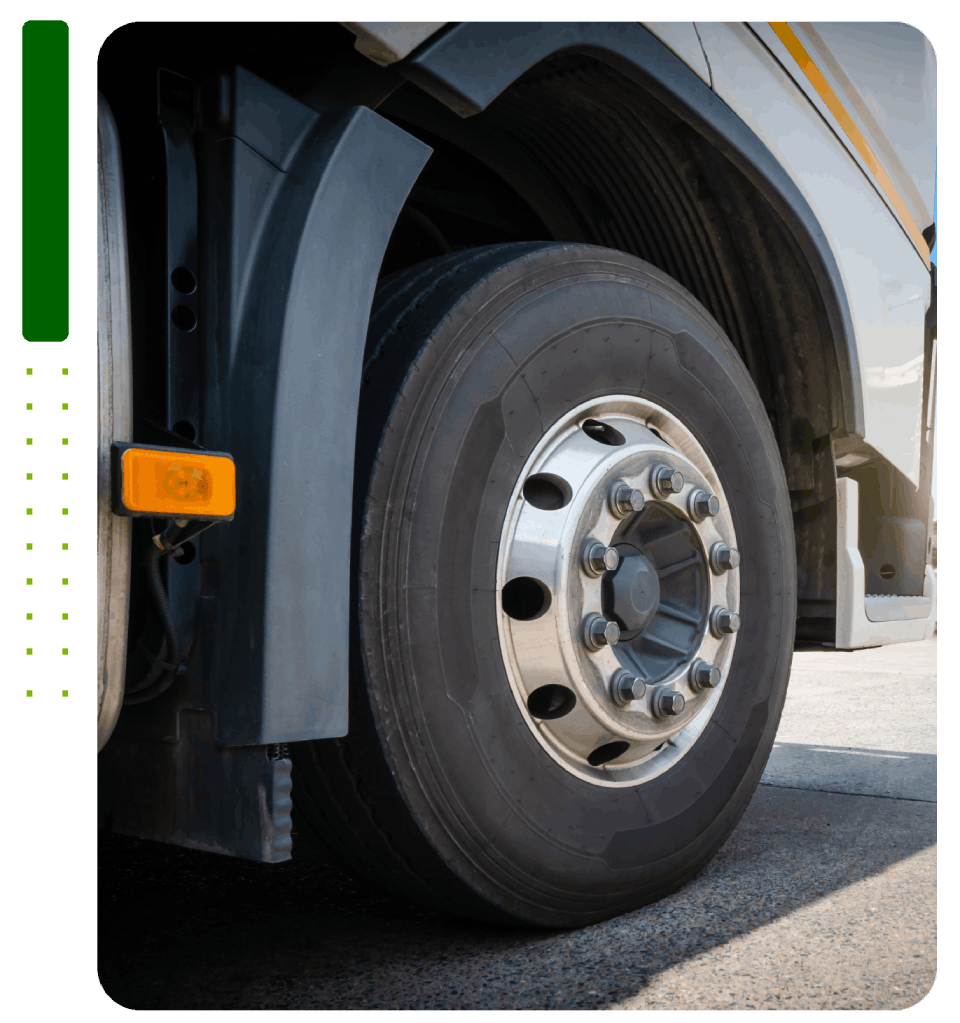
{"x": 163, "y": 673}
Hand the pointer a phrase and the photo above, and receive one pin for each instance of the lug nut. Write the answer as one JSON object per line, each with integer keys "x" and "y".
{"x": 702, "y": 505}
{"x": 724, "y": 622}
{"x": 624, "y": 500}
{"x": 627, "y": 687}
{"x": 597, "y": 558}
{"x": 723, "y": 558}
{"x": 666, "y": 480}
{"x": 669, "y": 702}
{"x": 598, "y": 632}
{"x": 704, "y": 675}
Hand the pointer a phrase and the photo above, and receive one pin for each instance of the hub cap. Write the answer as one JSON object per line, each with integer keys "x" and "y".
{"x": 577, "y": 625}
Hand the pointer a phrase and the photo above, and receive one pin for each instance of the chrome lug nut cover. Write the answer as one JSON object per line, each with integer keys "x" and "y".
{"x": 598, "y": 632}
{"x": 627, "y": 687}
{"x": 669, "y": 703}
{"x": 666, "y": 481}
{"x": 598, "y": 558}
{"x": 625, "y": 500}
{"x": 702, "y": 505}
{"x": 704, "y": 675}
{"x": 723, "y": 558}
{"x": 724, "y": 622}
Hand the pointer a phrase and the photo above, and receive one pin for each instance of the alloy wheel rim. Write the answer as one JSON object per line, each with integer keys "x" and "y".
{"x": 618, "y": 661}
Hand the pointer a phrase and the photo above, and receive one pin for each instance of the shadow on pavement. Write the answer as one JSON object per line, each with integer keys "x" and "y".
{"x": 182, "y": 929}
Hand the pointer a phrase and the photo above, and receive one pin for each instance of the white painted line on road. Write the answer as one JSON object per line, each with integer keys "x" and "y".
{"x": 852, "y": 752}
{"x": 861, "y": 753}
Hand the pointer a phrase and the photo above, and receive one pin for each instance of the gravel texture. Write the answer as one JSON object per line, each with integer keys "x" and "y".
{"x": 824, "y": 897}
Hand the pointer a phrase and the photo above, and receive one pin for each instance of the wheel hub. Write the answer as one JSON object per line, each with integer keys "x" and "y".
{"x": 613, "y": 608}
{"x": 633, "y": 592}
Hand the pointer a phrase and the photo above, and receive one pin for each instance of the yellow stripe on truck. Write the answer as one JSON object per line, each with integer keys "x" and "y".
{"x": 796, "y": 49}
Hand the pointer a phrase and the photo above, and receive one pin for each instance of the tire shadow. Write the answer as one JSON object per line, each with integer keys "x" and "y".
{"x": 181, "y": 929}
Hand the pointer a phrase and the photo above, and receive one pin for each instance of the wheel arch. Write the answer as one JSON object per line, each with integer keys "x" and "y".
{"x": 611, "y": 140}
{"x": 470, "y": 66}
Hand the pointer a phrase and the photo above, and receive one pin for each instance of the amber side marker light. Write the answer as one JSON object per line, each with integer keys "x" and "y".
{"x": 173, "y": 483}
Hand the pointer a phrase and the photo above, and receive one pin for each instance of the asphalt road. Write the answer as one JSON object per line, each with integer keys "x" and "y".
{"x": 824, "y": 897}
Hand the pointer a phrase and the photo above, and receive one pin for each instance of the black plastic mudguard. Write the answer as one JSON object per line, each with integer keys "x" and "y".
{"x": 298, "y": 207}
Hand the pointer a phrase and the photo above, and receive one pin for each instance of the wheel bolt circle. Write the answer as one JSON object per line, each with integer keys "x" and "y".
{"x": 599, "y": 632}
{"x": 627, "y": 687}
{"x": 703, "y": 505}
{"x": 666, "y": 480}
{"x": 624, "y": 500}
{"x": 669, "y": 702}
{"x": 704, "y": 675}
{"x": 723, "y": 558}
{"x": 724, "y": 622}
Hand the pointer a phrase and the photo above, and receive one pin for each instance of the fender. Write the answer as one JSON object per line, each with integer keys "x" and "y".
{"x": 299, "y": 207}
{"x": 469, "y": 64}
{"x": 279, "y": 214}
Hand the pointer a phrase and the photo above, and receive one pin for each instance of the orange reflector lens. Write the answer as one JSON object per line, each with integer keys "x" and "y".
{"x": 178, "y": 484}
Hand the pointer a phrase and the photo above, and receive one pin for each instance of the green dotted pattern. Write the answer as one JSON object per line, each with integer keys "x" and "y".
{"x": 31, "y": 544}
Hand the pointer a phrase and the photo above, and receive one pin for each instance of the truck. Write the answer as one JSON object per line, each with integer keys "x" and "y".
{"x": 486, "y": 411}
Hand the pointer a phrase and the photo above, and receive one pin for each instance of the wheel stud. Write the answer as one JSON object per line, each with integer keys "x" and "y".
{"x": 702, "y": 505}
{"x": 627, "y": 687}
{"x": 598, "y": 632}
{"x": 669, "y": 703}
{"x": 724, "y": 622}
{"x": 666, "y": 481}
{"x": 624, "y": 500}
{"x": 597, "y": 558}
{"x": 723, "y": 558}
{"x": 704, "y": 675}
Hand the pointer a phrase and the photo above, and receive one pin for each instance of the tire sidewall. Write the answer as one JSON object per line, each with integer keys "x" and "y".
{"x": 527, "y": 342}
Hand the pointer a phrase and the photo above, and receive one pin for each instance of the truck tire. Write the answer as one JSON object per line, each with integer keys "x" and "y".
{"x": 541, "y": 731}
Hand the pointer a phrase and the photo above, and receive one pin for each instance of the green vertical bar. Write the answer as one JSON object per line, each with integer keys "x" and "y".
{"x": 45, "y": 181}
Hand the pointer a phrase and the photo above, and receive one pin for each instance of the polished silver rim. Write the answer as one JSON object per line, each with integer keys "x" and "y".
{"x": 618, "y": 591}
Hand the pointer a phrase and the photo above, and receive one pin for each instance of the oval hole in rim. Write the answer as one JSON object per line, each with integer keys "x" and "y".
{"x": 524, "y": 598}
{"x": 551, "y": 702}
{"x": 547, "y": 492}
{"x": 602, "y": 433}
{"x": 610, "y": 751}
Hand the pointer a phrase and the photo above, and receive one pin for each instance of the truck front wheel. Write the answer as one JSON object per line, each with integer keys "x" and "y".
{"x": 574, "y": 590}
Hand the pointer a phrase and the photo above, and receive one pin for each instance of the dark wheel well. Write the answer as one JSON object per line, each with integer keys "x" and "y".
{"x": 575, "y": 151}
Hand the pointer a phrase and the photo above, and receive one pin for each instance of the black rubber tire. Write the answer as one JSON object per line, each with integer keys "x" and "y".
{"x": 440, "y": 790}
